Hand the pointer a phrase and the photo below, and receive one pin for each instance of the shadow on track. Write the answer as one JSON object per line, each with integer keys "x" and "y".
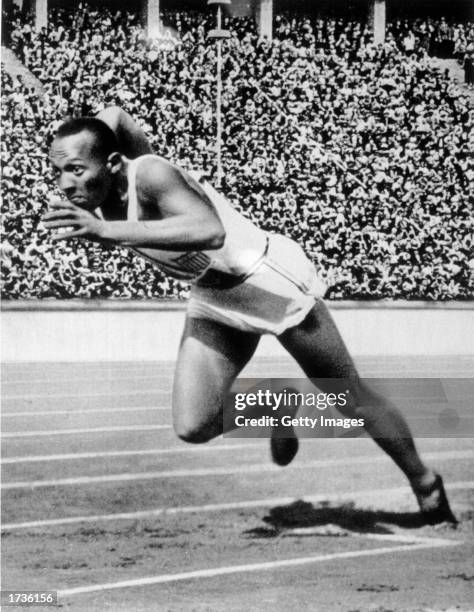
{"x": 303, "y": 515}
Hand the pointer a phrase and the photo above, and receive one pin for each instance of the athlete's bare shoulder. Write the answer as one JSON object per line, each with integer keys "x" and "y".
{"x": 158, "y": 174}
{"x": 160, "y": 182}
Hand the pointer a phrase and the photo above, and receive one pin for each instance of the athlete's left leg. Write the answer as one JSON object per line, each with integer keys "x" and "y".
{"x": 319, "y": 349}
{"x": 210, "y": 357}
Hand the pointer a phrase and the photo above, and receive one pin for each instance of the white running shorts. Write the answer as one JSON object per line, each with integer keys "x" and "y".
{"x": 278, "y": 295}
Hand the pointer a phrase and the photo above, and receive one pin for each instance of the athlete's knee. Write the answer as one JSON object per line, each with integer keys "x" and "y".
{"x": 351, "y": 408}
{"x": 360, "y": 401}
{"x": 192, "y": 431}
{"x": 367, "y": 404}
{"x": 193, "y": 435}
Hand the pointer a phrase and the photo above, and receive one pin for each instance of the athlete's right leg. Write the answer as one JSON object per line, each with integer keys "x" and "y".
{"x": 210, "y": 357}
{"x": 319, "y": 349}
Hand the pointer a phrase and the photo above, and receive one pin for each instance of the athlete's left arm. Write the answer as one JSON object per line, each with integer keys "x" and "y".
{"x": 185, "y": 218}
{"x": 131, "y": 139}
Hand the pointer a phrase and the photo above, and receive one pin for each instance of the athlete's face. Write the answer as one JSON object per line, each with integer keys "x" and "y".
{"x": 82, "y": 175}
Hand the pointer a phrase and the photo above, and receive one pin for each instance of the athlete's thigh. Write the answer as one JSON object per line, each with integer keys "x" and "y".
{"x": 318, "y": 347}
{"x": 210, "y": 357}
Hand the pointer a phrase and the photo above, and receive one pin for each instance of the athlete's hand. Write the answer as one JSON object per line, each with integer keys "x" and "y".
{"x": 80, "y": 223}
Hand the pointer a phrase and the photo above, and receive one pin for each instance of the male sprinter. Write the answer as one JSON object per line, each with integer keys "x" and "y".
{"x": 245, "y": 283}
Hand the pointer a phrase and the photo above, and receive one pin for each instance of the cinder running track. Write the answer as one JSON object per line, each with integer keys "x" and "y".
{"x": 103, "y": 503}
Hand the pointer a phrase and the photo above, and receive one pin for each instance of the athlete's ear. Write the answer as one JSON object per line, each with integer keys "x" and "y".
{"x": 114, "y": 162}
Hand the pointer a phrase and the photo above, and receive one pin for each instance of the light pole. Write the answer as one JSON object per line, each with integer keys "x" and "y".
{"x": 219, "y": 35}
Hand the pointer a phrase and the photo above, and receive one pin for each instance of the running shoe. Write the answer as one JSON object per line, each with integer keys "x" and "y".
{"x": 434, "y": 504}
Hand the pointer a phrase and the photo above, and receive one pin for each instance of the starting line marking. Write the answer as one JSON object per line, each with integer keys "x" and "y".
{"x": 153, "y": 451}
{"x": 410, "y": 545}
{"x": 360, "y": 496}
{"x": 63, "y": 432}
{"x": 249, "y": 469}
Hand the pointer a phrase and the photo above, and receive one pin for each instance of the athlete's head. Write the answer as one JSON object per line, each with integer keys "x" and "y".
{"x": 85, "y": 157}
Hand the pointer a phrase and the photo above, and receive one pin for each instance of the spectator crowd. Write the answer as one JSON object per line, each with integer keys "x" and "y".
{"x": 359, "y": 152}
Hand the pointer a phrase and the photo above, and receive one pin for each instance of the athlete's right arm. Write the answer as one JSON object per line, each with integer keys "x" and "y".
{"x": 131, "y": 138}
{"x": 179, "y": 215}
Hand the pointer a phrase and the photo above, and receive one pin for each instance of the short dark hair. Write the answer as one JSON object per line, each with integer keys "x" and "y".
{"x": 105, "y": 141}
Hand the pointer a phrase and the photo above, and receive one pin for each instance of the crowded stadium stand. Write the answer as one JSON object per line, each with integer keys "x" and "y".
{"x": 358, "y": 151}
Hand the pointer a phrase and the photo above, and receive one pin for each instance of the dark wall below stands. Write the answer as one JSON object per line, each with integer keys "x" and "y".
{"x": 462, "y": 10}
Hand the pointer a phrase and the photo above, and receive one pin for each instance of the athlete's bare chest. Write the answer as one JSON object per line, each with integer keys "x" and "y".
{"x": 118, "y": 210}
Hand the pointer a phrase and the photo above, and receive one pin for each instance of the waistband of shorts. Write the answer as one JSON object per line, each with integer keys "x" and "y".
{"x": 216, "y": 279}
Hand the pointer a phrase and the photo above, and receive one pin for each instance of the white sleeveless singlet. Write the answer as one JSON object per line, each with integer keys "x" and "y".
{"x": 244, "y": 245}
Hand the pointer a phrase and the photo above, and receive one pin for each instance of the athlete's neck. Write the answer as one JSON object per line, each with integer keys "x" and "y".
{"x": 116, "y": 204}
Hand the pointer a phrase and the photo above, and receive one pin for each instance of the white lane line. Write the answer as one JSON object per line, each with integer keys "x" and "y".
{"x": 30, "y": 413}
{"x": 155, "y": 374}
{"x": 64, "y": 432}
{"x": 80, "y": 411}
{"x": 51, "y": 368}
{"x": 25, "y": 396}
{"x": 358, "y": 496}
{"x": 90, "y": 379}
{"x": 216, "y": 471}
{"x": 415, "y": 544}
{"x": 35, "y": 396}
{"x": 154, "y": 451}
